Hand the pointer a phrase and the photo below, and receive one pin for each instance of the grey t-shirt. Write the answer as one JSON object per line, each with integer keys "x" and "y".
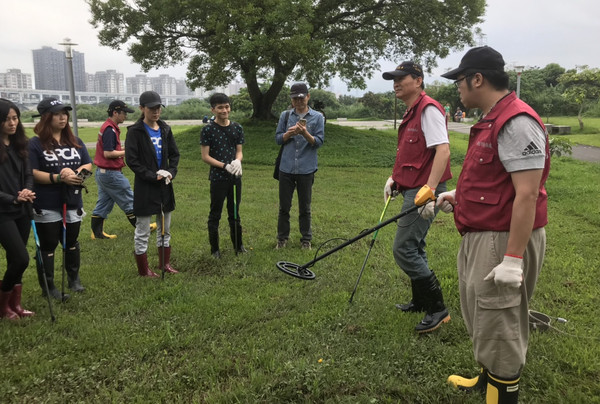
{"x": 522, "y": 144}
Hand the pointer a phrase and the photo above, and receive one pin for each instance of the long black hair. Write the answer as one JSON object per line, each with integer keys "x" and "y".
{"x": 18, "y": 140}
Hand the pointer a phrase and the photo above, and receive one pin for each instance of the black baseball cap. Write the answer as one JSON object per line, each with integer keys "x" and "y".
{"x": 404, "y": 69}
{"x": 480, "y": 58}
{"x": 150, "y": 99}
{"x": 298, "y": 90}
{"x": 118, "y": 105}
{"x": 51, "y": 105}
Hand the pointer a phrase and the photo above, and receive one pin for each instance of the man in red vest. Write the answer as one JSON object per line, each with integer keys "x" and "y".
{"x": 113, "y": 186}
{"x": 500, "y": 209}
{"x": 422, "y": 164}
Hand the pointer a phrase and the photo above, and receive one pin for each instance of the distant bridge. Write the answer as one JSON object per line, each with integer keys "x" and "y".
{"x": 31, "y": 97}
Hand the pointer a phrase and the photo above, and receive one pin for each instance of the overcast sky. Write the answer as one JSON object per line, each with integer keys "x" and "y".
{"x": 526, "y": 32}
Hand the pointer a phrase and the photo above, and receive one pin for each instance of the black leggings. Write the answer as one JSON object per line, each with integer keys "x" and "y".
{"x": 13, "y": 238}
{"x": 51, "y": 234}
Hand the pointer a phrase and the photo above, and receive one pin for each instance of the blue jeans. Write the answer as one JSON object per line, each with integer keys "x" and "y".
{"x": 409, "y": 244}
{"x": 113, "y": 187}
{"x": 287, "y": 184}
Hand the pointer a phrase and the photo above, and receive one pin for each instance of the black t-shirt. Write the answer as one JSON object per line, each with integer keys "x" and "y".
{"x": 223, "y": 141}
{"x": 52, "y": 196}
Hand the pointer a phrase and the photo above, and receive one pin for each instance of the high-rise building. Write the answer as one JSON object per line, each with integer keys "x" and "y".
{"x": 164, "y": 84}
{"x": 14, "y": 79}
{"x": 109, "y": 81}
{"x": 50, "y": 70}
{"x": 138, "y": 84}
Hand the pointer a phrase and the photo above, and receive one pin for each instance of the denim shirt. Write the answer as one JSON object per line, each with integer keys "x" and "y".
{"x": 299, "y": 156}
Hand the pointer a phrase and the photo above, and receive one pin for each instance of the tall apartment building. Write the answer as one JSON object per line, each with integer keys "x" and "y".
{"x": 50, "y": 69}
{"x": 13, "y": 78}
{"x": 138, "y": 84}
{"x": 164, "y": 84}
{"x": 109, "y": 81}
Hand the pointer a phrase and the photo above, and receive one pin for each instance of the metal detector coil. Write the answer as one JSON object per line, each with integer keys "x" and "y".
{"x": 295, "y": 270}
{"x": 302, "y": 271}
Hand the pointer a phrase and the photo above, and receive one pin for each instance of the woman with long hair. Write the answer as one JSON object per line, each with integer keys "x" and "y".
{"x": 58, "y": 160}
{"x": 16, "y": 191}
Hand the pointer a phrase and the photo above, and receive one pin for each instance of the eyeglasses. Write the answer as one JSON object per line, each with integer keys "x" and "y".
{"x": 457, "y": 82}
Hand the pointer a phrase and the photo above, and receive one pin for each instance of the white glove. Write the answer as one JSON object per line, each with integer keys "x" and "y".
{"x": 508, "y": 272}
{"x": 166, "y": 175}
{"x": 230, "y": 169}
{"x": 387, "y": 190}
{"x": 446, "y": 200}
{"x": 237, "y": 165}
{"x": 427, "y": 211}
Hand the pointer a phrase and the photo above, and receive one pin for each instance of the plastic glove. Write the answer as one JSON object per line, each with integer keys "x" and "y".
{"x": 389, "y": 190}
{"x": 237, "y": 164}
{"x": 166, "y": 175}
{"x": 446, "y": 201}
{"x": 230, "y": 169}
{"x": 427, "y": 211}
{"x": 508, "y": 272}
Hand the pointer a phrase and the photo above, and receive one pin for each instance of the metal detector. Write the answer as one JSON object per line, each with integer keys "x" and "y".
{"x": 302, "y": 271}
{"x": 235, "y": 215}
{"x": 38, "y": 256}
{"x": 64, "y": 246}
{"x": 387, "y": 202}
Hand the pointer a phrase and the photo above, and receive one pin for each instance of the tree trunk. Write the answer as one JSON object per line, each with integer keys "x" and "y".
{"x": 262, "y": 103}
{"x": 580, "y": 119}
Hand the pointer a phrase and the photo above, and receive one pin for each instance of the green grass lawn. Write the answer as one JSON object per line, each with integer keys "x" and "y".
{"x": 237, "y": 330}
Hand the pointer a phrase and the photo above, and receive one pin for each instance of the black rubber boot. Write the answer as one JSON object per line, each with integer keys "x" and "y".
{"x": 98, "y": 229}
{"x": 213, "y": 238}
{"x": 436, "y": 313}
{"x": 132, "y": 219}
{"x": 416, "y": 304}
{"x": 48, "y": 261}
{"x": 72, "y": 264}
{"x": 502, "y": 391}
{"x": 478, "y": 383}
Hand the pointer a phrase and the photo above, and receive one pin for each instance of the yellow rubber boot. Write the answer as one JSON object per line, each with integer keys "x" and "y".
{"x": 478, "y": 383}
{"x": 502, "y": 391}
{"x": 98, "y": 229}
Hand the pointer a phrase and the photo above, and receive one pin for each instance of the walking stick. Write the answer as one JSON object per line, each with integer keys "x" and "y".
{"x": 38, "y": 256}
{"x": 162, "y": 241}
{"x": 64, "y": 255}
{"x": 387, "y": 202}
{"x": 235, "y": 219}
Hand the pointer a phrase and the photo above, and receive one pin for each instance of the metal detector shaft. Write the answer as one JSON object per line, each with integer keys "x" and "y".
{"x": 38, "y": 255}
{"x": 361, "y": 235}
{"x": 64, "y": 255}
{"x": 162, "y": 241}
{"x": 235, "y": 216}
{"x": 387, "y": 202}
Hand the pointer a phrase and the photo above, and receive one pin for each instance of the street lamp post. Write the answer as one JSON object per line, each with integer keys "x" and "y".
{"x": 69, "y": 56}
{"x": 519, "y": 70}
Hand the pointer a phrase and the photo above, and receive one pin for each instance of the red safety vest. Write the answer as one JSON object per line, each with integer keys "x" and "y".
{"x": 99, "y": 159}
{"x": 485, "y": 192}
{"x": 413, "y": 159}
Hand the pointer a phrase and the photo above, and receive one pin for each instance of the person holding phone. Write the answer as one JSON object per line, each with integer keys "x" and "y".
{"x": 16, "y": 193}
{"x": 58, "y": 159}
{"x": 301, "y": 132}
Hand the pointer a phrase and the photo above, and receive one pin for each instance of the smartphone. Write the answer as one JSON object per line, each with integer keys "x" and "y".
{"x": 302, "y": 122}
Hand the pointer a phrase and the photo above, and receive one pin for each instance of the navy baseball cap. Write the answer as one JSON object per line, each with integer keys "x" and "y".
{"x": 482, "y": 58}
{"x": 404, "y": 69}
{"x": 51, "y": 105}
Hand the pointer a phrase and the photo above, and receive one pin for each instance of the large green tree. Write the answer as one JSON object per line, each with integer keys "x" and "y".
{"x": 273, "y": 41}
{"x": 582, "y": 87}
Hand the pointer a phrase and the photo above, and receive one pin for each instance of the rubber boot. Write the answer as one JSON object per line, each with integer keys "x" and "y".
{"x": 15, "y": 302}
{"x": 502, "y": 391}
{"x": 239, "y": 248}
{"x": 142, "y": 266}
{"x": 5, "y": 309}
{"x": 478, "y": 383}
{"x": 133, "y": 220}
{"x": 72, "y": 264}
{"x": 166, "y": 258}
{"x": 98, "y": 229}
{"x": 213, "y": 238}
{"x": 434, "y": 300}
{"x": 48, "y": 262}
{"x": 416, "y": 303}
